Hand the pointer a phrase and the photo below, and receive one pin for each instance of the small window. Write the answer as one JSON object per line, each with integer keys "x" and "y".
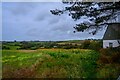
{"x": 110, "y": 44}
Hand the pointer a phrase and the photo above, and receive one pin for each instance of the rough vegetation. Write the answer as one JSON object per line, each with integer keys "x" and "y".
{"x": 33, "y": 45}
{"x": 49, "y": 63}
{"x": 109, "y": 62}
{"x": 61, "y": 60}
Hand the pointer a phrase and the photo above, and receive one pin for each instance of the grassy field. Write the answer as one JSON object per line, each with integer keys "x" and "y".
{"x": 49, "y": 63}
{"x": 57, "y": 63}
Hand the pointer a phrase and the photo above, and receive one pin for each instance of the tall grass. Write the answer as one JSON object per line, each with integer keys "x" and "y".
{"x": 50, "y": 63}
{"x": 109, "y": 63}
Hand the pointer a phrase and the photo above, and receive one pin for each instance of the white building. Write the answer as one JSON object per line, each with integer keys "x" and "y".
{"x": 112, "y": 35}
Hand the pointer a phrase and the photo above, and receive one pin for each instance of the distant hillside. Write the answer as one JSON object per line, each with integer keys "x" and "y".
{"x": 33, "y": 45}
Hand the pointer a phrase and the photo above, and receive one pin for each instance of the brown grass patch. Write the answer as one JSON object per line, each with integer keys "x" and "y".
{"x": 55, "y": 72}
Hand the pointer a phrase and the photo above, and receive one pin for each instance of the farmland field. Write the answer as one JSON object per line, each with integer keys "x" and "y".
{"x": 49, "y": 63}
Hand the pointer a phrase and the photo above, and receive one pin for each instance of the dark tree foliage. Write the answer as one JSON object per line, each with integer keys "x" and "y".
{"x": 97, "y": 13}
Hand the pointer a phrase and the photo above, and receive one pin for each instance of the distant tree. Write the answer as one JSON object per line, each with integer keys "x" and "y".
{"x": 97, "y": 13}
{"x": 15, "y": 41}
{"x": 25, "y": 45}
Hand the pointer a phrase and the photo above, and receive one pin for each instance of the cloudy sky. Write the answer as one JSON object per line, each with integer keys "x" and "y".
{"x": 33, "y": 21}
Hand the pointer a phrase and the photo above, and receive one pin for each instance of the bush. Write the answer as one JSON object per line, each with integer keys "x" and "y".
{"x": 95, "y": 45}
{"x": 5, "y": 47}
{"x": 110, "y": 55}
{"x": 116, "y": 57}
{"x": 33, "y": 48}
{"x": 92, "y": 44}
{"x": 85, "y": 44}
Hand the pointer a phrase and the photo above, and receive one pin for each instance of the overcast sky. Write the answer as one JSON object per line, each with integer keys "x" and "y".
{"x": 33, "y": 21}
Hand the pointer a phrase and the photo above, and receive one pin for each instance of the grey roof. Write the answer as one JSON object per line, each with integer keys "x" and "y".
{"x": 112, "y": 32}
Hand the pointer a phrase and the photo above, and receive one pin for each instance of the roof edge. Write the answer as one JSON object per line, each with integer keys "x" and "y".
{"x": 113, "y": 23}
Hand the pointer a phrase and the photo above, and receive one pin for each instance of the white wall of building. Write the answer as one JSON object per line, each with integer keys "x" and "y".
{"x": 106, "y": 43}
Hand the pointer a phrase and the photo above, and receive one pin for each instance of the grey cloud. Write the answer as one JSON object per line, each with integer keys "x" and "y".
{"x": 32, "y": 32}
{"x": 21, "y": 9}
{"x": 33, "y": 21}
{"x": 53, "y": 20}
{"x": 40, "y": 18}
{"x": 62, "y": 28}
{"x": 42, "y": 15}
{"x": 63, "y": 25}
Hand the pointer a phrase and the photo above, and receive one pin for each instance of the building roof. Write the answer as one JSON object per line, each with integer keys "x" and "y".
{"x": 112, "y": 32}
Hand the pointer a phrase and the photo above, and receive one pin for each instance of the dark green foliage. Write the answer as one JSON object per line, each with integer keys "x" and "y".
{"x": 85, "y": 44}
{"x": 68, "y": 46}
{"x": 25, "y": 45}
{"x": 5, "y": 47}
{"x": 97, "y": 16}
{"x": 95, "y": 45}
{"x": 92, "y": 44}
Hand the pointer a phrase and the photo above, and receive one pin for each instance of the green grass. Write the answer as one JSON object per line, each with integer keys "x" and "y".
{"x": 56, "y": 63}
{"x": 109, "y": 71}
{"x": 50, "y": 63}
{"x": 18, "y": 59}
{"x": 73, "y": 63}
{"x": 14, "y": 47}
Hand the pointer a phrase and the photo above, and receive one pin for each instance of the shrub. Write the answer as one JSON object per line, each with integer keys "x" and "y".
{"x": 95, "y": 45}
{"x": 91, "y": 44}
{"x": 116, "y": 57}
{"x": 5, "y": 47}
{"x": 33, "y": 48}
{"x": 85, "y": 44}
{"x": 110, "y": 55}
